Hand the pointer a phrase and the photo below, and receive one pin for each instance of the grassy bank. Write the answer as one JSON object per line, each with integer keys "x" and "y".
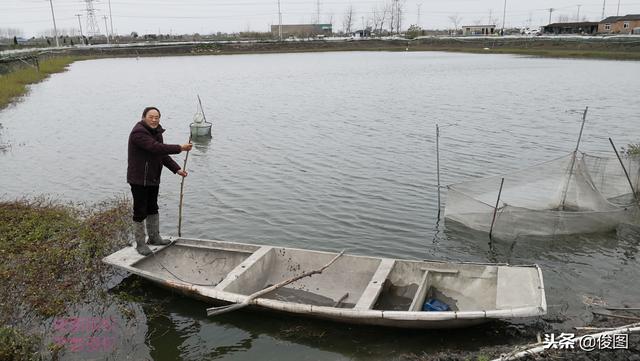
{"x": 14, "y": 84}
{"x": 51, "y": 259}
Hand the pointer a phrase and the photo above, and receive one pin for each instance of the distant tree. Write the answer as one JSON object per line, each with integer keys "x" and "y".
{"x": 134, "y": 34}
{"x": 455, "y": 20}
{"x": 347, "y": 21}
{"x": 562, "y": 18}
{"x": 15, "y": 40}
{"x": 413, "y": 31}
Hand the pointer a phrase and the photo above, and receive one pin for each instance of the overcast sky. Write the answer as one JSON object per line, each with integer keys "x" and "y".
{"x": 33, "y": 17}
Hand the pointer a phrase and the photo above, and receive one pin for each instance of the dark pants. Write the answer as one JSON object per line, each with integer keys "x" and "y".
{"x": 145, "y": 201}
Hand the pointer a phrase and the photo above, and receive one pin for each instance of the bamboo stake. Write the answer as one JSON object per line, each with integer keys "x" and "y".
{"x": 495, "y": 210}
{"x": 573, "y": 160}
{"x": 615, "y": 316}
{"x": 184, "y": 168}
{"x": 214, "y": 311}
{"x": 622, "y": 308}
{"x": 633, "y": 191}
{"x": 438, "y": 166}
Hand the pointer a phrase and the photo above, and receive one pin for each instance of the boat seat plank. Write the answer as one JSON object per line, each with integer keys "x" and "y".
{"x": 243, "y": 267}
{"x": 371, "y": 293}
{"x": 421, "y": 293}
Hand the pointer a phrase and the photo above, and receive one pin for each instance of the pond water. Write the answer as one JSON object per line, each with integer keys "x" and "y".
{"x": 328, "y": 151}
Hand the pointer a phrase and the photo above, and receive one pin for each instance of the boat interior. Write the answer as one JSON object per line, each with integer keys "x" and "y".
{"x": 352, "y": 282}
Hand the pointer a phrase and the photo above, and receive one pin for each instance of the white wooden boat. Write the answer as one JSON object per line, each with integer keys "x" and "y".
{"x": 354, "y": 289}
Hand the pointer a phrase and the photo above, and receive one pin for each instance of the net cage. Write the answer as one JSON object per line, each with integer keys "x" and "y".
{"x": 576, "y": 193}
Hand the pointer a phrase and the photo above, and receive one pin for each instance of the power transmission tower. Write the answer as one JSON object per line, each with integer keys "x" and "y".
{"x": 92, "y": 24}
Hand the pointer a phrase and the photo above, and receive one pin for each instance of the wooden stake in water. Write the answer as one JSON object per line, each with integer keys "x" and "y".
{"x": 184, "y": 168}
{"x": 495, "y": 210}
{"x": 438, "y": 166}
{"x": 633, "y": 191}
{"x": 573, "y": 160}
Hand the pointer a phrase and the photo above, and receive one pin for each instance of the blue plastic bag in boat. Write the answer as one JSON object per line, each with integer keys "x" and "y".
{"x": 435, "y": 305}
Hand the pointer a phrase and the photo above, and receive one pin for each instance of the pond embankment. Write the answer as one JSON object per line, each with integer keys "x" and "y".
{"x": 19, "y": 69}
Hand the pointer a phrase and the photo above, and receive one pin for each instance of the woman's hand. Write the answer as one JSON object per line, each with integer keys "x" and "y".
{"x": 182, "y": 173}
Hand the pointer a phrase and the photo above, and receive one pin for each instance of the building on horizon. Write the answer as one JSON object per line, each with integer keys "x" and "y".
{"x": 302, "y": 30}
{"x": 576, "y": 28}
{"x": 627, "y": 24}
{"x": 478, "y": 30}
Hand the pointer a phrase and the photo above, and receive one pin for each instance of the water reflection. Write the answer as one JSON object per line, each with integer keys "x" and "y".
{"x": 201, "y": 144}
{"x": 178, "y": 329}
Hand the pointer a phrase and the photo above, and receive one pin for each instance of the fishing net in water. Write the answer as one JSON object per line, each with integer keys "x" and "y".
{"x": 577, "y": 193}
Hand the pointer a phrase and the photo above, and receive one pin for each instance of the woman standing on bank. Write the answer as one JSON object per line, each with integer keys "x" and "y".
{"x": 146, "y": 155}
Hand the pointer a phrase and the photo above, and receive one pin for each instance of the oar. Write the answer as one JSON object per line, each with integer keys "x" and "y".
{"x": 184, "y": 168}
{"x": 213, "y": 311}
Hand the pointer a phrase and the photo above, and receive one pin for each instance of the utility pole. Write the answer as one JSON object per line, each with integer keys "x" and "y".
{"x": 106, "y": 29}
{"x": 504, "y": 14}
{"x": 318, "y": 12}
{"x": 618, "y": 11}
{"x": 578, "y": 15}
{"x": 550, "y": 11}
{"x": 397, "y": 17}
{"x": 110, "y": 18}
{"x": 80, "y": 24}
{"x": 279, "y": 22}
{"x": 418, "y": 20}
{"x": 55, "y": 29}
{"x": 604, "y": 2}
{"x": 363, "y": 27}
{"x": 490, "y": 17}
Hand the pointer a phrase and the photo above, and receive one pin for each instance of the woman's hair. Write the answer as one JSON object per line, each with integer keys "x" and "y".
{"x": 147, "y": 109}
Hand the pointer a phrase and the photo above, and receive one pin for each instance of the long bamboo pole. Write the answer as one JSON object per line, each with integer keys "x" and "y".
{"x": 214, "y": 311}
{"x": 184, "y": 168}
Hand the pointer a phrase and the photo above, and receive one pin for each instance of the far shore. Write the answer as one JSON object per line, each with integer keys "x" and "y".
{"x": 22, "y": 66}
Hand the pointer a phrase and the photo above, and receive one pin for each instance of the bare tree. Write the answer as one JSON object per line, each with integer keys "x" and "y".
{"x": 562, "y": 18}
{"x": 347, "y": 21}
{"x": 385, "y": 12}
{"x": 399, "y": 14}
{"x": 375, "y": 19}
{"x": 10, "y": 32}
{"x": 455, "y": 20}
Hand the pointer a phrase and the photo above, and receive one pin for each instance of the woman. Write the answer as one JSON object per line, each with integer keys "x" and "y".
{"x": 147, "y": 155}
